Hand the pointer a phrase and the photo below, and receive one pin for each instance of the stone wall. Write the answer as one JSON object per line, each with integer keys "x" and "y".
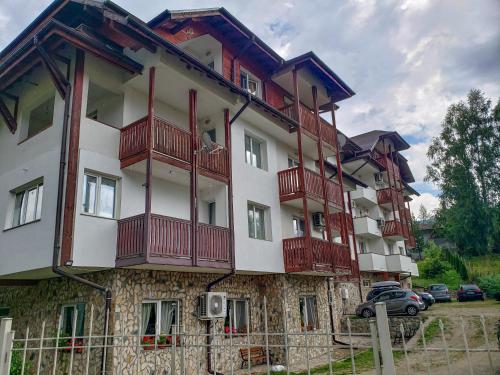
{"x": 31, "y": 305}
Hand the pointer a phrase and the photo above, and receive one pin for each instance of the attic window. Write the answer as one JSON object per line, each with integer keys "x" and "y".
{"x": 249, "y": 83}
{"x": 41, "y": 117}
{"x": 104, "y": 105}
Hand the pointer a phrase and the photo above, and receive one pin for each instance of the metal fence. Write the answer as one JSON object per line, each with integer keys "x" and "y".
{"x": 392, "y": 351}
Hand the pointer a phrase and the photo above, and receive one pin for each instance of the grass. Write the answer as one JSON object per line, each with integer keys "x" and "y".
{"x": 432, "y": 330}
{"x": 484, "y": 265}
{"x": 363, "y": 361}
{"x": 471, "y": 304}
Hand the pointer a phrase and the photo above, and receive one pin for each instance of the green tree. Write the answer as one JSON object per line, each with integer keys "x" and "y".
{"x": 465, "y": 166}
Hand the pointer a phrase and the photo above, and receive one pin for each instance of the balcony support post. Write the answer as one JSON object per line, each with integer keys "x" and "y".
{"x": 326, "y": 211}
{"x": 149, "y": 163}
{"x": 344, "y": 233}
{"x": 193, "y": 127}
{"x": 230, "y": 209}
{"x": 391, "y": 189}
{"x": 307, "y": 224}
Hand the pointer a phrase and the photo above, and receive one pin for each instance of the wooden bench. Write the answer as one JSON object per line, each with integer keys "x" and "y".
{"x": 257, "y": 356}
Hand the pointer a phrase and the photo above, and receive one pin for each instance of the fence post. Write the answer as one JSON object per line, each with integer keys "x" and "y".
{"x": 384, "y": 335}
{"x": 376, "y": 351}
{"x": 6, "y": 338}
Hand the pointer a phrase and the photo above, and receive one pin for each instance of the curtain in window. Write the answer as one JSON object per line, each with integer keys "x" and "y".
{"x": 240, "y": 312}
{"x": 312, "y": 319}
{"x": 80, "y": 319}
{"x": 147, "y": 309}
{"x": 107, "y": 198}
{"x": 168, "y": 314}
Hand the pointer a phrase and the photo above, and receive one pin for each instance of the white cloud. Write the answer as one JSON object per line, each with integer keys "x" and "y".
{"x": 428, "y": 200}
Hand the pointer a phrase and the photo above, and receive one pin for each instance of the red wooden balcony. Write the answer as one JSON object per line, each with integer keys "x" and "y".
{"x": 295, "y": 183}
{"x": 308, "y": 122}
{"x": 170, "y": 243}
{"x": 393, "y": 229}
{"x": 169, "y": 144}
{"x": 388, "y": 195}
{"x": 336, "y": 221}
{"x": 303, "y": 254}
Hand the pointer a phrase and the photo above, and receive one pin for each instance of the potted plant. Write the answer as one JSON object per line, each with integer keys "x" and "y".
{"x": 67, "y": 343}
{"x": 163, "y": 342}
{"x": 148, "y": 342}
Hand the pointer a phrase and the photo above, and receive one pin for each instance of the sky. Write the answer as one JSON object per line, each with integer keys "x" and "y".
{"x": 407, "y": 60}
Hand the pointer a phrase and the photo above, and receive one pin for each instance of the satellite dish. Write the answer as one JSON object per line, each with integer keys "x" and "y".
{"x": 207, "y": 141}
{"x": 342, "y": 139}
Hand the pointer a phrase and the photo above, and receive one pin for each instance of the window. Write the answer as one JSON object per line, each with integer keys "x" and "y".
{"x": 159, "y": 318}
{"x": 41, "y": 117}
{"x": 384, "y": 297}
{"x": 366, "y": 283}
{"x": 362, "y": 247}
{"x": 4, "y": 312}
{"x": 249, "y": 83}
{"x": 211, "y": 213}
{"x": 308, "y": 313}
{"x": 236, "y": 318}
{"x": 104, "y": 106}
{"x": 298, "y": 227}
{"x": 256, "y": 223}
{"x": 99, "y": 195}
{"x": 292, "y": 163}
{"x": 28, "y": 204}
{"x": 253, "y": 152}
{"x": 401, "y": 250}
{"x": 68, "y": 319}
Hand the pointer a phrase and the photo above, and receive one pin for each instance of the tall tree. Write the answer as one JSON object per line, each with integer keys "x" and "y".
{"x": 465, "y": 166}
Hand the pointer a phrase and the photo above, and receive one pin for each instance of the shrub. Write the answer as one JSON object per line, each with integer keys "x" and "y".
{"x": 491, "y": 285}
{"x": 434, "y": 264}
{"x": 17, "y": 362}
{"x": 452, "y": 279}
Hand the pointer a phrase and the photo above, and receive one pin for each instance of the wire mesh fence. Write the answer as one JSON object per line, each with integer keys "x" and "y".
{"x": 380, "y": 347}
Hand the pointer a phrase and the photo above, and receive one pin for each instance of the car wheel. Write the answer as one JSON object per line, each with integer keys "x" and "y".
{"x": 366, "y": 313}
{"x": 412, "y": 310}
{"x": 426, "y": 306}
{"x": 459, "y": 300}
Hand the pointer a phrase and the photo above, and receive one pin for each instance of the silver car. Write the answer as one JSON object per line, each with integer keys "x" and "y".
{"x": 399, "y": 301}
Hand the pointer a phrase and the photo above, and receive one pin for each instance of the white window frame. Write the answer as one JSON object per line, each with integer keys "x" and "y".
{"x": 250, "y": 77}
{"x": 97, "y": 203}
{"x": 24, "y": 191}
{"x": 158, "y": 306}
{"x": 292, "y": 162}
{"x": 250, "y": 160}
{"x": 232, "y": 319}
{"x": 298, "y": 219}
{"x": 304, "y": 317}
{"x": 367, "y": 283}
{"x": 254, "y": 206}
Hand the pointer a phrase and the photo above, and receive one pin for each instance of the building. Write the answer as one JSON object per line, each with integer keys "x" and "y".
{"x": 142, "y": 164}
{"x": 380, "y": 208}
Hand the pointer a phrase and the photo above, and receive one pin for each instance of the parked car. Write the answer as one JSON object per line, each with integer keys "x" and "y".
{"x": 380, "y": 287}
{"x": 469, "y": 292}
{"x": 397, "y": 301}
{"x": 427, "y": 299}
{"x": 440, "y": 292}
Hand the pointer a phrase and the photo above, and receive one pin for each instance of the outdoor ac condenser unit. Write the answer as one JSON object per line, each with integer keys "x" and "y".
{"x": 318, "y": 219}
{"x": 212, "y": 305}
{"x": 381, "y": 223}
{"x": 379, "y": 178}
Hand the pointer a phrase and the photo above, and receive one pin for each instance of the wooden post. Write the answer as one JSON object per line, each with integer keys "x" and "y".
{"x": 193, "y": 127}
{"x": 149, "y": 163}
{"x": 230, "y": 209}
{"x": 307, "y": 224}
{"x": 391, "y": 190}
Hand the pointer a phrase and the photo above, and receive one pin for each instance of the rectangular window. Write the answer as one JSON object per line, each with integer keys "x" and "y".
{"x": 4, "y": 312}
{"x": 99, "y": 196}
{"x": 160, "y": 319}
{"x": 256, "y": 222}
{"x": 249, "y": 83}
{"x": 236, "y": 318}
{"x": 366, "y": 283}
{"x": 292, "y": 163}
{"x": 298, "y": 227}
{"x": 41, "y": 117}
{"x": 362, "y": 247}
{"x": 253, "y": 152}
{"x": 68, "y": 319}
{"x": 28, "y": 204}
{"x": 308, "y": 313}
{"x": 211, "y": 213}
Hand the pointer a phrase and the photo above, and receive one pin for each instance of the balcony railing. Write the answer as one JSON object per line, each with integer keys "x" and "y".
{"x": 329, "y": 257}
{"x": 392, "y": 228}
{"x": 172, "y": 141}
{"x": 294, "y": 184}
{"x": 308, "y": 122}
{"x": 336, "y": 221}
{"x": 384, "y": 196}
{"x": 170, "y": 238}
{"x": 334, "y": 193}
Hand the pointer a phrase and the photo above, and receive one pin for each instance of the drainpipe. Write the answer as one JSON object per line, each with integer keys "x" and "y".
{"x": 330, "y": 309}
{"x": 47, "y": 61}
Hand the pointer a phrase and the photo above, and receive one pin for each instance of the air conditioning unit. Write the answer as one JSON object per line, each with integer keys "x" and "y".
{"x": 318, "y": 219}
{"x": 381, "y": 223}
{"x": 212, "y": 305}
{"x": 379, "y": 178}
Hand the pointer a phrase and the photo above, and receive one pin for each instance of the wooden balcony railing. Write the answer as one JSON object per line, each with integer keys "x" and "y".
{"x": 392, "y": 228}
{"x": 334, "y": 192}
{"x": 325, "y": 256}
{"x": 293, "y": 183}
{"x": 336, "y": 221}
{"x": 384, "y": 196}
{"x": 172, "y": 141}
{"x": 170, "y": 238}
{"x": 328, "y": 133}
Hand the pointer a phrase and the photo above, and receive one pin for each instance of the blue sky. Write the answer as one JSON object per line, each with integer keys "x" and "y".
{"x": 407, "y": 60}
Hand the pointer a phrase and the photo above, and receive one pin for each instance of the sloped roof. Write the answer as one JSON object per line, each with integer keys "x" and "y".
{"x": 368, "y": 140}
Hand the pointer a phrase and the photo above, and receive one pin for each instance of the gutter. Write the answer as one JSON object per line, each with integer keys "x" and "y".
{"x": 330, "y": 310}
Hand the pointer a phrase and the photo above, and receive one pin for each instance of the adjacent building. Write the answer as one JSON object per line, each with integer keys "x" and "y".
{"x": 143, "y": 164}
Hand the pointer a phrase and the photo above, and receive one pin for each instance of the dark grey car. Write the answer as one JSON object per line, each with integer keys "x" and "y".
{"x": 397, "y": 301}
{"x": 440, "y": 292}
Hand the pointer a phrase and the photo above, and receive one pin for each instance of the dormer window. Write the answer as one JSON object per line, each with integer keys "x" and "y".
{"x": 249, "y": 83}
